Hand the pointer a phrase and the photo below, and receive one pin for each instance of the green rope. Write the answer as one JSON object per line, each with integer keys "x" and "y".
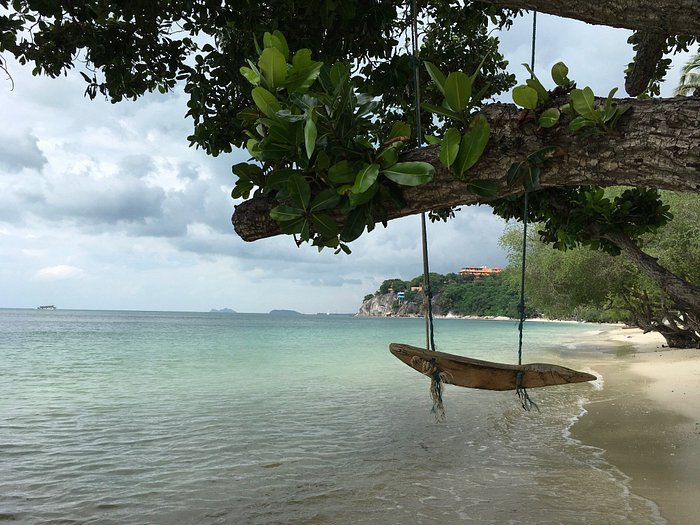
{"x": 435, "y": 379}
{"x": 520, "y": 390}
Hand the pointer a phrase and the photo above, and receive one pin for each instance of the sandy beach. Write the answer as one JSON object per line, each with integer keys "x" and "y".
{"x": 647, "y": 418}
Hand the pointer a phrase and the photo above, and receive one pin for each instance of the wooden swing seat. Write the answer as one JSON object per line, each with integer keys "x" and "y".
{"x": 486, "y": 375}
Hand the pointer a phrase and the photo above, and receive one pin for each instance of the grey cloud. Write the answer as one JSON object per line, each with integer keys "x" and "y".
{"x": 20, "y": 151}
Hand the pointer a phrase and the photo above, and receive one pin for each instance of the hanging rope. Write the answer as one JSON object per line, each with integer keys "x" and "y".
{"x": 523, "y": 396}
{"x": 435, "y": 377}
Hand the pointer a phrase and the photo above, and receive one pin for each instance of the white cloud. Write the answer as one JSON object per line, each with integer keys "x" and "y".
{"x": 58, "y": 273}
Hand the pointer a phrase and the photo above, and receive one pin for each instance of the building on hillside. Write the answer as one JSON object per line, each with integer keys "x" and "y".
{"x": 480, "y": 272}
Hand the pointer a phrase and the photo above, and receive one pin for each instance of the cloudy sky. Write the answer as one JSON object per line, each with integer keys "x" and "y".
{"x": 106, "y": 207}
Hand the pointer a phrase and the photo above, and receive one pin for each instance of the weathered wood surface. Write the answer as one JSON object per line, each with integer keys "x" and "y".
{"x": 486, "y": 375}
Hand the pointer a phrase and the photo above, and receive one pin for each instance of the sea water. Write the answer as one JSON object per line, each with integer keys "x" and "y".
{"x": 208, "y": 418}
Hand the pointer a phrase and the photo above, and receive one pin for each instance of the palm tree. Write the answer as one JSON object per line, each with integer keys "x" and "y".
{"x": 690, "y": 80}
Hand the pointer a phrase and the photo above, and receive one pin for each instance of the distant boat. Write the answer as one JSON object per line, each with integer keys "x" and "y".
{"x": 46, "y": 307}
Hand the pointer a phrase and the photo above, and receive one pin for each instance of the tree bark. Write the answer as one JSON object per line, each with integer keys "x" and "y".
{"x": 656, "y": 144}
{"x": 684, "y": 294}
{"x": 673, "y": 17}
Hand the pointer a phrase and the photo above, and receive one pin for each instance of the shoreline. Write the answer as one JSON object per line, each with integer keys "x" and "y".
{"x": 646, "y": 418}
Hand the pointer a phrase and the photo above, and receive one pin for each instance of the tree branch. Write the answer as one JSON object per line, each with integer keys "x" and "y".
{"x": 673, "y": 17}
{"x": 657, "y": 144}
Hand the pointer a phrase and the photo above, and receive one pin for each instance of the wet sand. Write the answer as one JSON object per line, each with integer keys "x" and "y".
{"x": 647, "y": 419}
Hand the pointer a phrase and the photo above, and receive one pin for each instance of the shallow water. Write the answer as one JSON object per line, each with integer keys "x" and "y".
{"x": 143, "y": 417}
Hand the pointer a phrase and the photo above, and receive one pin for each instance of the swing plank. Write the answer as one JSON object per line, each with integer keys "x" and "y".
{"x": 487, "y": 375}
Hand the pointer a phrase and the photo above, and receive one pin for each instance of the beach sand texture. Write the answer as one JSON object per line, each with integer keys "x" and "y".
{"x": 647, "y": 419}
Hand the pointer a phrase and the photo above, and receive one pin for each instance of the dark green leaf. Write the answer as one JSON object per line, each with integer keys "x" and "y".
{"x": 354, "y": 225}
{"x": 325, "y": 200}
{"x": 301, "y": 77}
{"x": 432, "y": 139}
{"x": 299, "y": 190}
{"x": 285, "y": 213}
{"x": 473, "y": 144}
{"x": 532, "y": 178}
{"x": 484, "y": 187}
{"x": 399, "y": 129}
{"x": 449, "y": 147}
{"x": 341, "y": 173}
{"x": 410, "y": 173}
{"x": 515, "y": 172}
{"x": 357, "y": 199}
{"x": 458, "y": 90}
{"x": 388, "y": 157}
{"x": 278, "y": 179}
{"x": 438, "y": 110}
{"x": 365, "y": 178}
{"x": 249, "y": 172}
{"x": 324, "y": 225}
{"x": 299, "y": 225}
{"x": 580, "y": 122}
{"x": 436, "y": 75}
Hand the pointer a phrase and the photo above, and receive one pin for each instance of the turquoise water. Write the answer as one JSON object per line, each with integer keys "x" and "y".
{"x": 174, "y": 418}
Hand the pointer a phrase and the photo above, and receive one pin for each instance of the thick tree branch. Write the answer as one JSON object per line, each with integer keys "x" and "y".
{"x": 686, "y": 295}
{"x": 673, "y": 17}
{"x": 657, "y": 144}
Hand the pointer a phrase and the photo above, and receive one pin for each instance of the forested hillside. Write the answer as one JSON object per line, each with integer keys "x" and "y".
{"x": 452, "y": 294}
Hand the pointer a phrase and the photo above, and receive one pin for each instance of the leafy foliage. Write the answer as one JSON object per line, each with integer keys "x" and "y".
{"x": 316, "y": 148}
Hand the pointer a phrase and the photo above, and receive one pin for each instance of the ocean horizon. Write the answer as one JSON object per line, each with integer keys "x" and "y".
{"x": 188, "y": 417}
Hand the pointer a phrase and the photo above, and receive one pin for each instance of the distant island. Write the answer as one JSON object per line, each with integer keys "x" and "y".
{"x": 222, "y": 311}
{"x": 285, "y": 312}
{"x": 46, "y": 307}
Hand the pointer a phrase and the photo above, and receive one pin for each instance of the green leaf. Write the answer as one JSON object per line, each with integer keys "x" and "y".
{"x": 388, "y": 157}
{"x": 432, "y": 139}
{"x": 515, "y": 172}
{"x": 473, "y": 144}
{"x": 301, "y": 77}
{"x": 354, "y": 225}
{"x": 341, "y": 173}
{"x": 484, "y": 187}
{"x": 458, "y": 90}
{"x": 583, "y": 102}
{"x": 580, "y": 122}
{"x": 365, "y": 178}
{"x": 299, "y": 190}
{"x": 549, "y": 117}
{"x": 532, "y": 178}
{"x": 285, "y": 213}
{"x": 310, "y": 137}
{"x": 302, "y": 58}
{"x": 356, "y": 199}
{"x": 300, "y": 226}
{"x": 541, "y": 155}
{"x": 324, "y": 225}
{"x": 438, "y": 110}
{"x": 436, "y": 75}
{"x": 399, "y": 129}
{"x": 265, "y": 101}
{"x": 273, "y": 66}
{"x": 278, "y": 179}
{"x": 542, "y": 95}
{"x": 325, "y": 200}
{"x": 251, "y": 76}
{"x": 449, "y": 147}
{"x": 559, "y": 74}
{"x": 410, "y": 173}
{"x": 249, "y": 172}
{"x": 278, "y": 41}
{"x": 525, "y": 97}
